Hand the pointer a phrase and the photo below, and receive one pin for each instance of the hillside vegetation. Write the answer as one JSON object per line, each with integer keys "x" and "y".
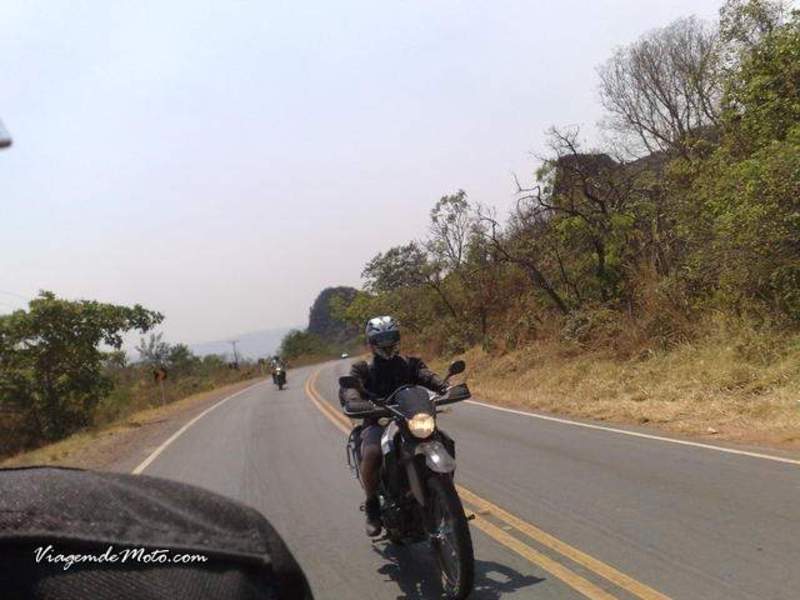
{"x": 328, "y": 333}
{"x": 654, "y": 279}
{"x": 62, "y": 370}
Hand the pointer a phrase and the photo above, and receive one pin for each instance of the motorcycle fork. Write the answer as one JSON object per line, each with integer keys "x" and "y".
{"x": 354, "y": 453}
{"x": 414, "y": 471}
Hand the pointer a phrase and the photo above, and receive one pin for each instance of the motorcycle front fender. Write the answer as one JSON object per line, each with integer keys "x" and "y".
{"x": 437, "y": 458}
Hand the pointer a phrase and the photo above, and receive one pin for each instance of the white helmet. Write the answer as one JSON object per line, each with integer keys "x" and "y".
{"x": 383, "y": 336}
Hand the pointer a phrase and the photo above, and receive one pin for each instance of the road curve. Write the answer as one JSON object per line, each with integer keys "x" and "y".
{"x": 561, "y": 511}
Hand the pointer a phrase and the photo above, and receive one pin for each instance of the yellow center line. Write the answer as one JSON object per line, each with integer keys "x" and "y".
{"x": 608, "y": 572}
{"x": 556, "y": 569}
{"x": 324, "y": 407}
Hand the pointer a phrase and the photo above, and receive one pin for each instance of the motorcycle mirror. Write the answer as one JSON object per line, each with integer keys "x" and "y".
{"x": 348, "y": 382}
{"x": 5, "y": 138}
{"x": 456, "y": 367}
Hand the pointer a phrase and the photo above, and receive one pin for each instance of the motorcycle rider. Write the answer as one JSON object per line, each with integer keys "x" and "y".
{"x": 274, "y": 363}
{"x": 387, "y": 371}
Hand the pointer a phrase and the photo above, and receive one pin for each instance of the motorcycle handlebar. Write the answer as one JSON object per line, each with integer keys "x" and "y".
{"x": 456, "y": 393}
{"x": 365, "y": 414}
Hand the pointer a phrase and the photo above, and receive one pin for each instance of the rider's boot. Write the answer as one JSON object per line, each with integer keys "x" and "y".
{"x": 373, "y": 511}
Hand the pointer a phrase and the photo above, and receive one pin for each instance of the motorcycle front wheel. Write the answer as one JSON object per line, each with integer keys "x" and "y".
{"x": 450, "y": 538}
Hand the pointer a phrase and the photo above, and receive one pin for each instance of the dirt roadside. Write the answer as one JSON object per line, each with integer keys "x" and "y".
{"x": 122, "y": 446}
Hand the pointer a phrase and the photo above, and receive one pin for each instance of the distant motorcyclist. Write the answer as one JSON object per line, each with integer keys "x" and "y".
{"x": 387, "y": 371}
{"x": 275, "y": 363}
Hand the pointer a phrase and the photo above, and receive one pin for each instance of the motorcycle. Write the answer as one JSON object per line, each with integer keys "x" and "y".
{"x": 418, "y": 499}
{"x": 279, "y": 377}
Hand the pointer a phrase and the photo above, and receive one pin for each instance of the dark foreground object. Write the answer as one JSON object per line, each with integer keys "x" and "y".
{"x": 54, "y": 513}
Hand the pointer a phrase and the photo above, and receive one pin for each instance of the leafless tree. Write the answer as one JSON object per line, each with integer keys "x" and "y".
{"x": 664, "y": 88}
{"x": 517, "y": 244}
{"x": 455, "y": 244}
{"x": 451, "y": 225}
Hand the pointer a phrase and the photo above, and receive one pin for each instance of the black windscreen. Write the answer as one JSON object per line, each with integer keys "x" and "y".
{"x": 413, "y": 400}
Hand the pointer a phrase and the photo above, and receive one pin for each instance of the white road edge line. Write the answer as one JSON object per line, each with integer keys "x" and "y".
{"x": 138, "y": 470}
{"x": 647, "y": 436}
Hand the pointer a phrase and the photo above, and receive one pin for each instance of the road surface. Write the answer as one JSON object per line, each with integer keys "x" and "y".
{"x": 562, "y": 510}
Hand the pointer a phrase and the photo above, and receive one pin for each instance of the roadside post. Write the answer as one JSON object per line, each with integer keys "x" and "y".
{"x": 5, "y": 137}
{"x": 160, "y": 374}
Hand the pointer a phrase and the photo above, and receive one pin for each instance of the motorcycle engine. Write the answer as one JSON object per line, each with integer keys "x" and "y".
{"x": 403, "y": 519}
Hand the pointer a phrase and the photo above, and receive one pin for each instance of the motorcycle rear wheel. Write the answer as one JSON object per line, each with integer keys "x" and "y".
{"x": 450, "y": 538}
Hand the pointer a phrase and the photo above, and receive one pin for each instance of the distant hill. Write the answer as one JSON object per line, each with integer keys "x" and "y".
{"x": 325, "y": 336}
{"x": 250, "y": 345}
{"x": 322, "y": 323}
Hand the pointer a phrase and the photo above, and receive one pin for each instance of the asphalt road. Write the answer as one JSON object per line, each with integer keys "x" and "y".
{"x": 562, "y": 511}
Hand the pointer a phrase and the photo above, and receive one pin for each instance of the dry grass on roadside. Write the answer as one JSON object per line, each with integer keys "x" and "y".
{"x": 71, "y": 450}
{"x": 738, "y": 385}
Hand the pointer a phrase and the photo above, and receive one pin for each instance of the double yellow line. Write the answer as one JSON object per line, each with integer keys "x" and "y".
{"x": 522, "y": 529}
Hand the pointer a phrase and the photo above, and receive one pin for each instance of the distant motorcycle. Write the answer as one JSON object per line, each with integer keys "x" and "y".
{"x": 418, "y": 499}
{"x": 279, "y": 377}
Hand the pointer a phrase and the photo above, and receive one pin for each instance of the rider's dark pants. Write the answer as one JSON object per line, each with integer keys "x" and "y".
{"x": 370, "y": 458}
{"x": 371, "y": 438}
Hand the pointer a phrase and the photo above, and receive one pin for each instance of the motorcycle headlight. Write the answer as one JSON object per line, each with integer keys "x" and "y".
{"x": 421, "y": 425}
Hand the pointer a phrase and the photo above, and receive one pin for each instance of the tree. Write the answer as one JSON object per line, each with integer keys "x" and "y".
{"x": 456, "y": 245}
{"x": 51, "y": 361}
{"x": 181, "y": 359}
{"x": 450, "y": 229}
{"x": 302, "y": 343}
{"x": 749, "y": 242}
{"x": 400, "y": 266}
{"x": 664, "y": 89}
{"x": 744, "y": 23}
{"x": 521, "y": 245}
{"x": 407, "y": 267}
{"x": 578, "y": 232}
{"x": 761, "y": 97}
{"x": 214, "y": 362}
{"x": 154, "y": 351}
{"x": 116, "y": 359}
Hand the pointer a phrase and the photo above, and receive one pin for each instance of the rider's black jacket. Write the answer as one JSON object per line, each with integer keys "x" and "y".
{"x": 381, "y": 377}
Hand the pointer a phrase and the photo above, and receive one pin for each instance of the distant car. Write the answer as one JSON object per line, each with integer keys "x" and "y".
{"x": 345, "y": 355}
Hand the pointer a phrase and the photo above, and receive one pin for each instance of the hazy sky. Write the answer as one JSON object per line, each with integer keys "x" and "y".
{"x": 222, "y": 162}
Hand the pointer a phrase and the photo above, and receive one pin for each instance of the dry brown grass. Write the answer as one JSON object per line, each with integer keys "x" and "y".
{"x": 732, "y": 383}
